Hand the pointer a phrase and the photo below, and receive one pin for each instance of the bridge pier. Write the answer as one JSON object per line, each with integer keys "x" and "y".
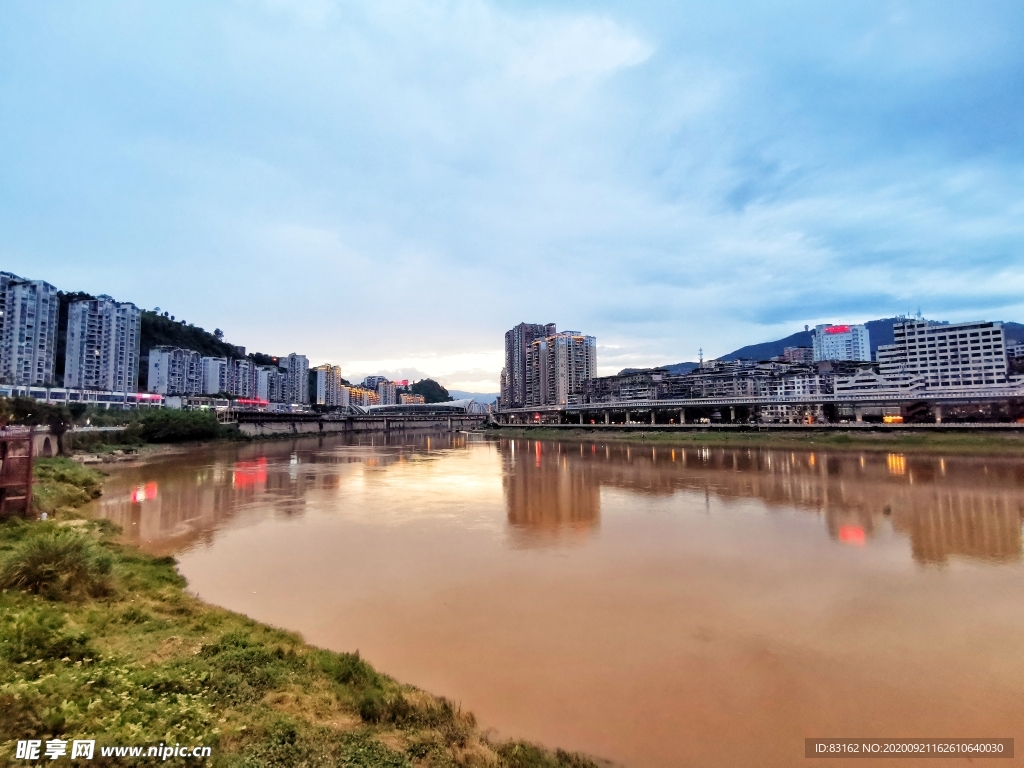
{"x": 652, "y": 416}
{"x": 938, "y": 414}
{"x": 858, "y": 414}
{"x": 627, "y": 417}
{"x": 732, "y": 413}
{"x": 682, "y": 415}
{"x": 607, "y": 417}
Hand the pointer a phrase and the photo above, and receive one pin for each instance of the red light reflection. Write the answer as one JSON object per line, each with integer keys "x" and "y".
{"x": 852, "y": 534}
{"x": 141, "y": 493}
{"x": 250, "y": 472}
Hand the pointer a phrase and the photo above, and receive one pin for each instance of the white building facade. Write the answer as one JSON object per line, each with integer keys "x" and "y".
{"x": 841, "y": 342}
{"x": 103, "y": 345}
{"x": 329, "y": 389}
{"x": 297, "y": 379}
{"x": 213, "y": 375}
{"x": 175, "y": 371}
{"x": 28, "y": 337}
{"x": 946, "y": 354}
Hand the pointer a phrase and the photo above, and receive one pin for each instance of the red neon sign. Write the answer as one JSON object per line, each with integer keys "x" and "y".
{"x": 838, "y": 329}
{"x": 250, "y": 401}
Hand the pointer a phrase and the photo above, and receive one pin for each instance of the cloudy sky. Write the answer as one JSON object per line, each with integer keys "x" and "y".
{"x": 390, "y": 185}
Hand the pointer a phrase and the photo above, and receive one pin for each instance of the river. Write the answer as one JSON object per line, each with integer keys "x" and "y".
{"x": 651, "y": 605}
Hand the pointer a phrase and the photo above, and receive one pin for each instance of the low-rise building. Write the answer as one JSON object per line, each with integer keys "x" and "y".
{"x": 408, "y": 399}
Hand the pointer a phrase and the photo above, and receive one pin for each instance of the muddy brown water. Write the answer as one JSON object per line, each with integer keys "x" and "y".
{"x": 653, "y": 606}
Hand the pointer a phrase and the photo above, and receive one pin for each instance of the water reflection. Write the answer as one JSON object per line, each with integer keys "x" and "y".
{"x": 548, "y": 498}
{"x": 947, "y": 507}
{"x": 965, "y": 506}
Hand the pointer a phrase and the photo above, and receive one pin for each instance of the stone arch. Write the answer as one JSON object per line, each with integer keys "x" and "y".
{"x": 47, "y": 447}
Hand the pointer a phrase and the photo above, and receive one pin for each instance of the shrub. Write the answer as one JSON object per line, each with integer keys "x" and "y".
{"x": 39, "y": 634}
{"x": 58, "y": 564}
{"x": 167, "y": 426}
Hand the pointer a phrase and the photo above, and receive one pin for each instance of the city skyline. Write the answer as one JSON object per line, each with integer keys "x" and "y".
{"x": 667, "y": 177}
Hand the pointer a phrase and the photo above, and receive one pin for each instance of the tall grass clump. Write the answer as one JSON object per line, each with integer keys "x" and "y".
{"x": 58, "y": 564}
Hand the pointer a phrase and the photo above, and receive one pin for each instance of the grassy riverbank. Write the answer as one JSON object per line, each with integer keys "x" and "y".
{"x": 98, "y": 640}
{"x": 973, "y": 443}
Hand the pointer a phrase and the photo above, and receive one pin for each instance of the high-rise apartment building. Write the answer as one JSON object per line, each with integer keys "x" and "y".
{"x": 214, "y": 375}
{"x": 243, "y": 380}
{"x": 175, "y": 371}
{"x": 330, "y": 390}
{"x": 557, "y": 366}
{"x": 387, "y": 392}
{"x": 28, "y": 337}
{"x": 517, "y": 343}
{"x": 270, "y": 383}
{"x": 946, "y": 354}
{"x": 103, "y": 345}
{"x": 5, "y": 280}
{"x": 297, "y": 379}
{"x": 841, "y": 342}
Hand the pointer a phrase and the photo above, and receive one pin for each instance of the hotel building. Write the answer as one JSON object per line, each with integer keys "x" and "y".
{"x": 841, "y": 342}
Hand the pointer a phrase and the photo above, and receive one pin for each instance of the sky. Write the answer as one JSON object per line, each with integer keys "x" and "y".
{"x": 390, "y": 185}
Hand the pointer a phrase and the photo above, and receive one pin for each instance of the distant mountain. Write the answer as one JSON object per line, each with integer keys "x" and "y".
{"x": 879, "y": 331}
{"x": 481, "y": 397}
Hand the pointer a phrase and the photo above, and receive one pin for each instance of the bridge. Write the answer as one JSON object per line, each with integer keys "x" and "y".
{"x": 675, "y": 411}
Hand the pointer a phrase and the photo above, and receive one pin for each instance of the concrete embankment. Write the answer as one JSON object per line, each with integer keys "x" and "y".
{"x": 272, "y": 425}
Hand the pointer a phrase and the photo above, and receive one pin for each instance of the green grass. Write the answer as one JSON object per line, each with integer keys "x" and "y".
{"x": 99, "y": 640}
{"x": 910, "y": 442}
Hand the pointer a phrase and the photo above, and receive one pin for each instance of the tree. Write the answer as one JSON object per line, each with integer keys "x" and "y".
{"x": 217, "y": 332}
{"x": 432, "y": 391}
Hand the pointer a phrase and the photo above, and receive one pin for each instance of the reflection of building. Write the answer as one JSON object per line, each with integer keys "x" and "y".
{"x": 964, "y": 507}
{"x": 547, "y": 490}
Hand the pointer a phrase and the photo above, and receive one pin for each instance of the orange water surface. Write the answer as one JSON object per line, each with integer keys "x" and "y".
{"x": 654, "y": 606}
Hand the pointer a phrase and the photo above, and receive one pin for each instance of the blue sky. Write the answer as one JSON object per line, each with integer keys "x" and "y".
{"x": 389, "y": 186}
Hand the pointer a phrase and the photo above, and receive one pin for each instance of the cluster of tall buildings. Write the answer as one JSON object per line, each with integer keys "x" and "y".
{"x": 333, "y": 391}
{"x": 102, "y": 343}
{"x": 543, "y": 367}
{"x": 176, "y": 371}
{"x": 546, "y": 367}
